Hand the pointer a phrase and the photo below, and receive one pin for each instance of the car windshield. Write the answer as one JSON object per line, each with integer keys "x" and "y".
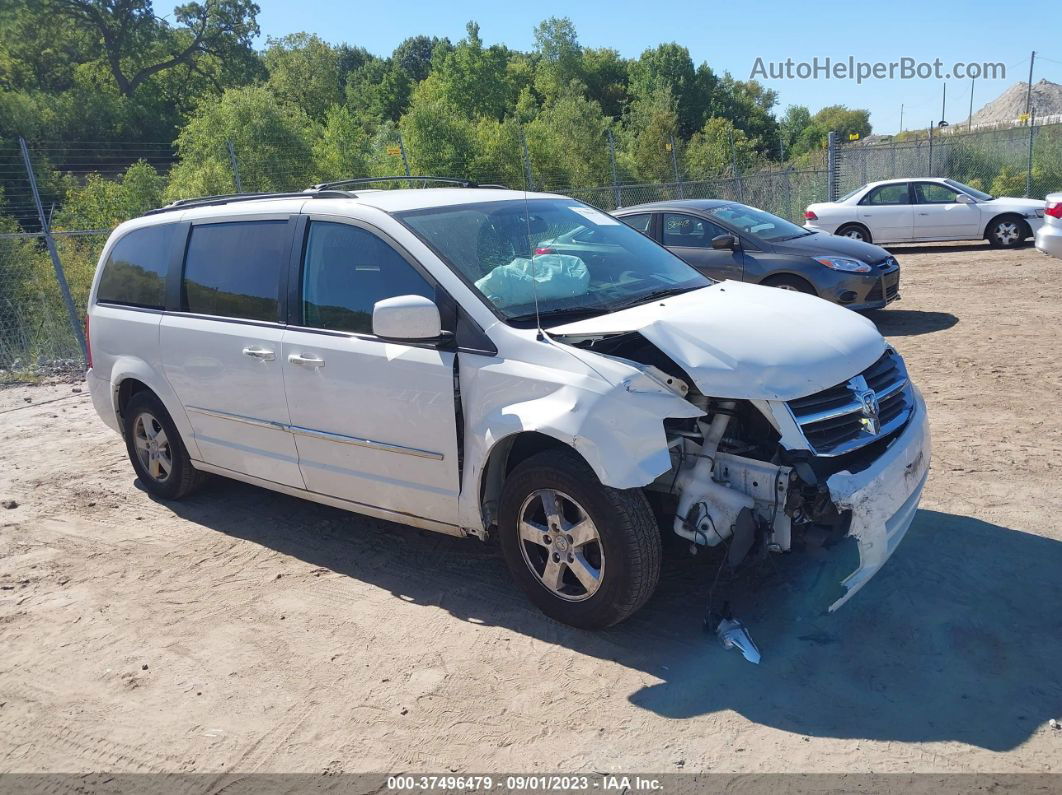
{"x": 568, "y": 257}
{"x": 980, "y": 195}
{"x": 757, "y": 223}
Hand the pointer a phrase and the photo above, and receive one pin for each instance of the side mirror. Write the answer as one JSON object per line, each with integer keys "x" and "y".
{"x": 964, "y": 198}
{"x": 725, "y": 241}
{"x": 406, "y": 317}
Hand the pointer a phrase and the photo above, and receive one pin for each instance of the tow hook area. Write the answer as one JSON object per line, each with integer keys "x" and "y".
{"x": 734, "y": 635}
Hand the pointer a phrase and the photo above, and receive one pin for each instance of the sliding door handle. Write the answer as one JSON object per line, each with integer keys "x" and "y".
{"x": 255, "y": 352}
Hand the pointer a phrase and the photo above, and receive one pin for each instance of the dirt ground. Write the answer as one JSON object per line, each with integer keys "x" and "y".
{"x": 246, "y": 631}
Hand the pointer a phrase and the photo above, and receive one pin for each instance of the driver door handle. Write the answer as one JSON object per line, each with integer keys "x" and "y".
{"x": 306, "y": 361}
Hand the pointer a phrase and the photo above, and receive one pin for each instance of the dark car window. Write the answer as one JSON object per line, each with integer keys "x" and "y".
{"x": 685, "y": 230}
{"x": 935, "y": 193}
{"x": 135, "y": 271}
{"x": 888, "y": 194}
{"x": 346, "y": 271}
{"x": 232, "y": 269}
{"x": 641, "y": 221}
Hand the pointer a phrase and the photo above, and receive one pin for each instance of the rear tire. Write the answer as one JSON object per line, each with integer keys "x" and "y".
{"x": 855, "y": 231}
{"x": 155, "y": 449}
{"x": 586, "y": 554}
{"x": 791, "y": 283}
{"x": 1008, "y": 232}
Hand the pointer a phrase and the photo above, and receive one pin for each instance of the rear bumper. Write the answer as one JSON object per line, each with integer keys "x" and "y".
{"x": 883, "y": 499}
{"x": 103, "y": 400}
{"x": 1049, "y": 239}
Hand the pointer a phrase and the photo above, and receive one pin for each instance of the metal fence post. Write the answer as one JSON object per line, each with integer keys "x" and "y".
{"x": 617, "y": 197}
{"x": 529, "y": 180}
{"x": 53, "y": 252}
{"x": 402, "y": 150}
{"x": 930, "y": 170}
{"x": 1028, "y": 170}
{"x": 833, "y": 167}
{"x": 739, "y": 188}
{"x": 235, "y": 166}
{"x": 674, "y": 166}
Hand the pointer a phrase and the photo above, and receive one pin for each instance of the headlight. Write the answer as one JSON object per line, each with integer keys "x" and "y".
{"x": 846, "y": 264}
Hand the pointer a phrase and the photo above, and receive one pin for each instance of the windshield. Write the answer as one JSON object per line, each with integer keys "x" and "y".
{"x": 977, "y": 194}
{"x": 570, "y": 257}
{"x": 758, "y": 224}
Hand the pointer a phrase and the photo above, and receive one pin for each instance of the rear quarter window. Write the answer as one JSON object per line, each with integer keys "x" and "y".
{"x": 135, "y": 271}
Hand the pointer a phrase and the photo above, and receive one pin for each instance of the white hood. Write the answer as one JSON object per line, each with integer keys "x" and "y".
{"x": 738, "y": 340}
{"x": 1010, "y": 203}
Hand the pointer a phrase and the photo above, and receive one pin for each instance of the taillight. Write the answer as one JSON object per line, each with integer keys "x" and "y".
{"x": 1054, "y": 209}
{"x": 810, "y": 216}
{"x": 88, "y": 343}
{"x": 539, "y": 252}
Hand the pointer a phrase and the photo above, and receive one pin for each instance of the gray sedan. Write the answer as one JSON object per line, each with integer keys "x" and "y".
{"x": 727, "y": 240}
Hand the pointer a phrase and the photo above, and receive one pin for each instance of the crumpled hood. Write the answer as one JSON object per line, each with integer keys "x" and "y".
{"x": 738, "y": 340}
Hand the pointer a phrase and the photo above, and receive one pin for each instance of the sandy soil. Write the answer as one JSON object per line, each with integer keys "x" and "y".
{"x": 246, "y": 631}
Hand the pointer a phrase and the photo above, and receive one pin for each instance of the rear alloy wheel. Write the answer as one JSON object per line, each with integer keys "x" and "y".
{"x": 855, "y": 232}
{"x": 155, "y": 449}
{"x": 586, "y": 554}
{"x": 1008, "y": 233}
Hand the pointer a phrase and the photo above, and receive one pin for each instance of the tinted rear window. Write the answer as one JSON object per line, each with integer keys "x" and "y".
{"x": 135, "y": 271}
{"x": 233, "y": 269}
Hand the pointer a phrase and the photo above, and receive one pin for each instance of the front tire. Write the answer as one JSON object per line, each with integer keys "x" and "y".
{"x": 586, "y": 554}
{"x": 155, "y": 449}
{"x": 855, "y": 232}
{"x": 792, "y": 283}
{"x": 1008, "y": 232}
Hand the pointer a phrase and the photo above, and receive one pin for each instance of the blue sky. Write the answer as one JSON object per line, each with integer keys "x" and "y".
{"x": 731, "y": 35}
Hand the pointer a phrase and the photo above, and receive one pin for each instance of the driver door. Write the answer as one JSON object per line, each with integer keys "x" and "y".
{"x": 940, "y": 215}
{"x": 374, "y": 420}
{"x": 690, "y": 238}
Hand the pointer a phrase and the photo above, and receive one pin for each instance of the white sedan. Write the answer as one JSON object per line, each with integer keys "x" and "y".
{"x": 916, "y": 210}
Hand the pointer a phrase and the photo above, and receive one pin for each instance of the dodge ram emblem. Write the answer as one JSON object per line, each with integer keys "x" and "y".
{"x": 871, "y": 421}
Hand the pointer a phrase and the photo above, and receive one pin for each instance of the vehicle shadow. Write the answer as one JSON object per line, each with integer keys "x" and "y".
{"x": 910, "y": 322}
{"x": 938, "y": 248}
{"x": 958, "y": 638}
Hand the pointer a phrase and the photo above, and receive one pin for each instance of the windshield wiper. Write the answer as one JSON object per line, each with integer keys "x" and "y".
{"x": 667, "y": 292}
{"x": 560, "y": 312}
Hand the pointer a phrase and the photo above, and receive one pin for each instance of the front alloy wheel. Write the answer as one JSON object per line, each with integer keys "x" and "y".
{"x": 1008, "y": 233}
{"x": 560, "y": 545}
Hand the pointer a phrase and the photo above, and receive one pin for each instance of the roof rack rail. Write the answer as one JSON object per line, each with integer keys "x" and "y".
{"x": 232, "y": 198}
{"x": 464, "y": 183}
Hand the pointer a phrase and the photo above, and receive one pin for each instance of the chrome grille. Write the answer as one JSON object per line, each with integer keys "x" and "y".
{"x": 864, "y": 408}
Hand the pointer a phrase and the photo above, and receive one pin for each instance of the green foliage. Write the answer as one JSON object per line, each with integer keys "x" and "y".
{"x": 714, "y": 149}
{"x": 343, "y": 150}
{"x": 440, "y": 140}
{"x": 274, "y": 143}
{"x": 304, "y": 72}
{"x": 103, "y": 203}
{"x": 568, "y": 142}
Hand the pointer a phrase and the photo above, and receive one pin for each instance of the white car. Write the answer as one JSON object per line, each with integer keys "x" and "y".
{"x": 405, "y": 354}
{"x": 919, "y": 210}
{"x": 1049, "y": 236}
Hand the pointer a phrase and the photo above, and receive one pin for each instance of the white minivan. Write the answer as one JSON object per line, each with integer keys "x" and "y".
{"x": 423, "y": 356}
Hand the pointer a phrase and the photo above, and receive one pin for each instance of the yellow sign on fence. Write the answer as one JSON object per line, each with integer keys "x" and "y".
{"x": 394, "y": 151}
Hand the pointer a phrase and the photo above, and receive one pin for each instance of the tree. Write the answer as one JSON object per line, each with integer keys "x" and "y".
{"x": 568, "y": 145}
{"x": 606, "y": 75}
{"x": 560, "y": 56}
{"x": 414, "y": 56}
{"x": 650, "y": 125}
{"x": 273, "y": 144}
{"x": 713, "y": 150}
{"x": 439, "y": 139}
{"x": 378, "y": 91}
{"x": 669, "y": 67}
{"x": 343, "y": 148}
{"x": 304, "y": 71}
{"x": 471, "y": 78}
{"x": 136, "y": 44}
{"x": 791, "y": 129}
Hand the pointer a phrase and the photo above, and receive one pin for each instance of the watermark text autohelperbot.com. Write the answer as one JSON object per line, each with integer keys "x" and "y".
{"x": 849, "y": 68}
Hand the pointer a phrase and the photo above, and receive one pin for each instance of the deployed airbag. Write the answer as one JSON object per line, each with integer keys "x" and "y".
{"x": 550, "y": 276}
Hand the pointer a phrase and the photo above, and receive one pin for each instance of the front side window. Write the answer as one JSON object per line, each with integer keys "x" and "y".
{"x": 135, "y": 271}
{"x": 889, "y": 194}
{"x": 346, "y": 270}
{"x": 935, "y": 193}
{"x": 685, "y": 230}
{"x": 232, "y": 269}
{"x": 557, "y": 254}
{"x": 641, "y": 222}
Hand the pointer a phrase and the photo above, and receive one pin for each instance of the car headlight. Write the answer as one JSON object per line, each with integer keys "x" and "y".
{"x": 847, "y": 264}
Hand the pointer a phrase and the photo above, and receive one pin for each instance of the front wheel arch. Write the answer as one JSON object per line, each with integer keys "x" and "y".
{"x": 843, "y": 229}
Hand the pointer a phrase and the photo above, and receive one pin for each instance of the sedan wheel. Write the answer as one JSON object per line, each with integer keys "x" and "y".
{"x": 1008, "y": 233}
{"x": 560, "y": 545}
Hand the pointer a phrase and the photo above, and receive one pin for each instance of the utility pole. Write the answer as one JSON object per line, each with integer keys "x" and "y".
{"x": 969, "y": 119}
{"x": 235, "y": 166}
{"x": 901, "y": 117}
{"x": 617, "y": 197}
{"x": 944, "y": 104}
{"x": 1028, "y": 90}
{"x": 674, "y": 165}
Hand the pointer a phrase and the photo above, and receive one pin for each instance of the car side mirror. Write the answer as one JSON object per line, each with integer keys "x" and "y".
{"x": 406, "y": 318}
{"x": 963, "y": 198}
{"x": 725, "y": 241}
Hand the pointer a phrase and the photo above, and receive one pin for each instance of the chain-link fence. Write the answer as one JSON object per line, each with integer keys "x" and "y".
{"x": 85, "y": 189}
